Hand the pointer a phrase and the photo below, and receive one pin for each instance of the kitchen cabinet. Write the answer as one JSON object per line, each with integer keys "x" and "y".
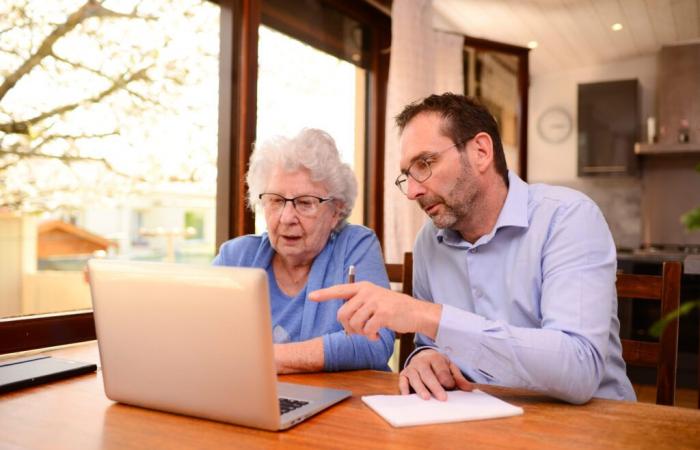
{"x": 608, "y": 128}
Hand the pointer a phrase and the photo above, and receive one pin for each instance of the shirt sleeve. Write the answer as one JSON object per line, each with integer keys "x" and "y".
{"x": 421, "y": 291}
{"x": 565, "y": 358}
{"x": 343, "y": 352}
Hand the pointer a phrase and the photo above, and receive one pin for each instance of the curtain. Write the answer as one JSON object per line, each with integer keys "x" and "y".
{"x": 422, "y": 62}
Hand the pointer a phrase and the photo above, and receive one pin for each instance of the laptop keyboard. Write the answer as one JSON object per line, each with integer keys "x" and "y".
{"x": 287, "y": 404}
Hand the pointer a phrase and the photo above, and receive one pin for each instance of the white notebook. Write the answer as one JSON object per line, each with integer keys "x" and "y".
{"x": 410, "y": 410}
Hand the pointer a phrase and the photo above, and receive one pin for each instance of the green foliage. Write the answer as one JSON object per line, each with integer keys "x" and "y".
{"x": 691, "y": 221}
{"x": 658, "y": 327}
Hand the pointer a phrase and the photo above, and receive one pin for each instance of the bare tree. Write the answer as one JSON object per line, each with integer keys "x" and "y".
{"x": 107, "y": 75}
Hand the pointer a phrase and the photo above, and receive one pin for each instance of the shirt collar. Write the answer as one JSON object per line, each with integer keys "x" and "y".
{"x": 513, "y": 213}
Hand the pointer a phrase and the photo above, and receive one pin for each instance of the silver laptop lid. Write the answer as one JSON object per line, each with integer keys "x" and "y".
{"x": 194, "y": 340}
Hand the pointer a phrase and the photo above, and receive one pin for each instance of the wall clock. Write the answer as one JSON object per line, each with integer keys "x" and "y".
{"x": 555, "y": 125}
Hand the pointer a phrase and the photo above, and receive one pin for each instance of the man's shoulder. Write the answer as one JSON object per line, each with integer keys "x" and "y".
{"x": 558, "y": 196}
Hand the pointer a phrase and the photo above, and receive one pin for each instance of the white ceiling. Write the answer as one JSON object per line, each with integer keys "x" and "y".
{"x": 574, "y": 33}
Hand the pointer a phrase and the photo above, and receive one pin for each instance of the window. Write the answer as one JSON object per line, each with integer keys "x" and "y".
{"x": 234, "y": 26}
{"x": 352, "y": 31}
{"x": 497, "y": 74}
{"x": 108, "y": 138}
{"x": 194, "y": 224}
{"x": 323, "y": 92}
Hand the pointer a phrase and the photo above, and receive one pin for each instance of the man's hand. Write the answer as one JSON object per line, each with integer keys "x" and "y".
{"x": 430, "y": 372}
{"x": 370, "y": 307}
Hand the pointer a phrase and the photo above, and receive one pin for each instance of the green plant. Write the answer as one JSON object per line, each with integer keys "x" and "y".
{"x": 691, "y": 221}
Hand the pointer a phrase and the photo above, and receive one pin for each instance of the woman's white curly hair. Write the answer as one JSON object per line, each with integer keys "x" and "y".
{"x": 313, "y": 150}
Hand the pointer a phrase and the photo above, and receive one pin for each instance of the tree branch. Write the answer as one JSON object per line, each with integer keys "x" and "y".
{"x": 91, "y": 8}
{"x": 22, "y": 127}
{"x": 69, "y": 137}
{"x": 68, "y": 159}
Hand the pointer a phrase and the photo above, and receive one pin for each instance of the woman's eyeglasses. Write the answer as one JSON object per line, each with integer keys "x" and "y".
{"x": 306, "y": 205}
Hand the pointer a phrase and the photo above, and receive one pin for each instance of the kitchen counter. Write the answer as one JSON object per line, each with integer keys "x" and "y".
{"x": 691, "y": 263}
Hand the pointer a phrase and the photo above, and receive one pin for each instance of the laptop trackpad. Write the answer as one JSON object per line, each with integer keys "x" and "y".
{"x": 318, "y": 398}
{"x": 311, "y": 393}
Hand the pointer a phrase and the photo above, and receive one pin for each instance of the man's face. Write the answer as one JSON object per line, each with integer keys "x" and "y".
{"x": 449, "y": 194}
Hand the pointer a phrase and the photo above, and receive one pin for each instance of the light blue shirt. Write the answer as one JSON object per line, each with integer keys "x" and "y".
{"x": 300, "y": 319}
{"x": 533, "y": 303}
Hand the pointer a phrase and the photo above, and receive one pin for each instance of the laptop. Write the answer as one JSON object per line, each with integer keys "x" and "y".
{"x": 18, "y": 373}
{"x": 195, "y": 340}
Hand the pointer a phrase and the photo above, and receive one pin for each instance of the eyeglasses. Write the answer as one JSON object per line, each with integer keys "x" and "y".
{"x": 419, "y": 169}
{"x": 306, "y": 205}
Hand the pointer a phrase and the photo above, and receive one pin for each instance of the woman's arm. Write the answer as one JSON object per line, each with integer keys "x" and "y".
{"x": 343, "y": 352}
{"x": 295, "y": 357}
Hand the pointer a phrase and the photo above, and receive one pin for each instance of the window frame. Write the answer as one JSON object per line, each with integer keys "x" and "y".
{"x": 523, "y": 55}
{"x": 239, "y": 22}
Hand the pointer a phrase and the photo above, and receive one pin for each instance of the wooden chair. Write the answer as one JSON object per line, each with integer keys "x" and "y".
{"x": 403, "y": 273}
{"x": 663, "y": 354}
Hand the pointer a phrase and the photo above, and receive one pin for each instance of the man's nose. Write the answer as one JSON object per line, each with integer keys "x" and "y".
{"x": 414, "y": 189}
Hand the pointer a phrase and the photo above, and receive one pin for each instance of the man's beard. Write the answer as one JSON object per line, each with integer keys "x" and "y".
{"x": 460, "y": 202}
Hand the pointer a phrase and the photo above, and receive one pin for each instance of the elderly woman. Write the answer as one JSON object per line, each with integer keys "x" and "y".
{"x": 307, "y": 193}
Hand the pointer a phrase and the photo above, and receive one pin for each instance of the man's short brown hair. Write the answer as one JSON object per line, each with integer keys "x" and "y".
{"x": 463, "y": 118}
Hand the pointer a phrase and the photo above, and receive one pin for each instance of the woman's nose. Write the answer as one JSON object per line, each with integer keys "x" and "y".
{"x": 288, "y": 213}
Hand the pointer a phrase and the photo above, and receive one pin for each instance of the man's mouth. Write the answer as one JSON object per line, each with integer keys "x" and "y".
{"x": 431, "y": 209}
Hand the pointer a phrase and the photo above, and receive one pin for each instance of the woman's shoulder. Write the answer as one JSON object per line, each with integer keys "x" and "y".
{"x": 241, "y": 250}
{"x": 352, "y": 232}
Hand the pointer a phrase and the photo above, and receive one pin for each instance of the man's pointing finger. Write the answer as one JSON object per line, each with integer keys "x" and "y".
{"x": 343, "y": 291}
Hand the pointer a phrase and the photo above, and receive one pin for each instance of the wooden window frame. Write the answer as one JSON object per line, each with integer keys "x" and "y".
{"x": 523, "y": 55}
{"x": 239, "y": 21}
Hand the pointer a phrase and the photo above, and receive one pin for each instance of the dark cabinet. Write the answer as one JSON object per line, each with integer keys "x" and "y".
{"x": 608, "y": 127}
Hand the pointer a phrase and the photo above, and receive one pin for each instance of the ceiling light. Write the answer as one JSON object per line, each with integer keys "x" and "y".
{"x": 616, "y": 26}
{"x": 532, "y": 44}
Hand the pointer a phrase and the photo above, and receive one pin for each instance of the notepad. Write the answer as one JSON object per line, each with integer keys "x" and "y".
{"x": 411, "y": 410}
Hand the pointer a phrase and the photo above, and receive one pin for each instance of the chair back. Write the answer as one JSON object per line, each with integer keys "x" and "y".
{"x": 403, "y": 273}
{"x": 662, "y": 354}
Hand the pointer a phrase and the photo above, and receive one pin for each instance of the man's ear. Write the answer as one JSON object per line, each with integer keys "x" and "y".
{"x": 483, "y": 156}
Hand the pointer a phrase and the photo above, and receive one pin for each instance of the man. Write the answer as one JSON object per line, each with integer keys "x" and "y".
{"x": 517, "y": 280}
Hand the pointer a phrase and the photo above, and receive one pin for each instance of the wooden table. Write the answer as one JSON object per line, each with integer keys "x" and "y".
{"x": 75, "y": 414}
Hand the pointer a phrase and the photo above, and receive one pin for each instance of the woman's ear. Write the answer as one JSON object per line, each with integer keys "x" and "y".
{"x": 483, "y": 157}
{"x": 337, "y": 213}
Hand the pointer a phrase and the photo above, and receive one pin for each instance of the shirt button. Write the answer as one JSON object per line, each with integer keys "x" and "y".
{"x": 448, "y": 349}
{"x": 472, "y": 250}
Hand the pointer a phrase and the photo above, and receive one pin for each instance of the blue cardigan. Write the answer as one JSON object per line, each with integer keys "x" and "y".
{"x": 352, "y": 245}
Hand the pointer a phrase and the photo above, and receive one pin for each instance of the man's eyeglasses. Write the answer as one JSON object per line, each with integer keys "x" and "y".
{"x": 419, "y": 169}
{"x": 306, "y": 205}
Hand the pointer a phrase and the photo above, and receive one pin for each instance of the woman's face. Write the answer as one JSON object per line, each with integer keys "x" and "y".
{"x": 295, "y": 237}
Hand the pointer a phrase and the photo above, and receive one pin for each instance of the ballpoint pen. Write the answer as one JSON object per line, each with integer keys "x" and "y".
{"x": 351, "y": 279}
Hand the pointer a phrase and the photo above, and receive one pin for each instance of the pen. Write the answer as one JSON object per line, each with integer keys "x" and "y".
{"x": 351, "y": 279}
{"x": 351, "y": 274}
